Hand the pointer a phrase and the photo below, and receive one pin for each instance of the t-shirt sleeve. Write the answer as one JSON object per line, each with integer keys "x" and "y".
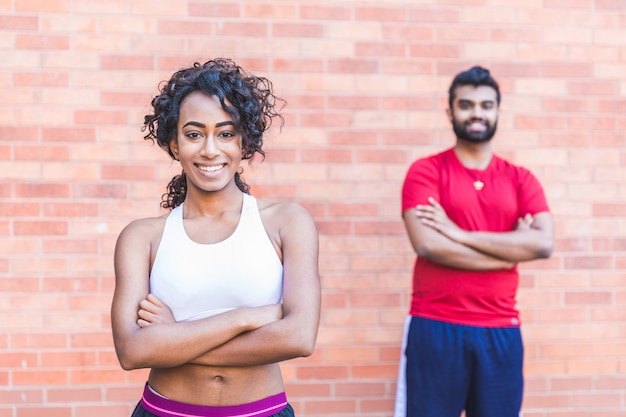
{"x": 420, "y": 183}
{"x": 532, "y": 199}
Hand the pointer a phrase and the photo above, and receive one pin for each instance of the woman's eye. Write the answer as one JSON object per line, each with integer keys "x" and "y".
{"x": 227, "y": 135}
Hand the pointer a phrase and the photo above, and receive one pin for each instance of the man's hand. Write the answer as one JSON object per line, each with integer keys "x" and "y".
{"x": 524, "y": 223}
{"x": 153, "y": 311}
{"x": 433, "y": 215}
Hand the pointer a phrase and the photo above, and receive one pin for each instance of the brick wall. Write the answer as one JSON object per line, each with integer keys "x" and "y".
{"x": 366, "y": 84}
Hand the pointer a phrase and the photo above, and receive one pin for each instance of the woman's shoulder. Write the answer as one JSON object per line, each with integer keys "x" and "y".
{"x": 285, "y": 215}
{"x": 285, "y": 209}
{"x": 144, "y": 228}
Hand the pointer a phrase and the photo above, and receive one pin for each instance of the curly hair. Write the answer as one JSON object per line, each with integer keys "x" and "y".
{"x": 248, "y": 99}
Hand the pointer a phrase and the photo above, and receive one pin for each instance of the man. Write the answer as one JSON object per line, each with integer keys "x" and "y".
{"x": 471, "y": 218}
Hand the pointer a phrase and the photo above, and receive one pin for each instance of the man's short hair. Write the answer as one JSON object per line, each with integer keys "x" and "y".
{"x": 475, "y": 76}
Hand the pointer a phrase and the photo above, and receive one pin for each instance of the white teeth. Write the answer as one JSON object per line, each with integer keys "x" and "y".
{"x": 211, "y": 168}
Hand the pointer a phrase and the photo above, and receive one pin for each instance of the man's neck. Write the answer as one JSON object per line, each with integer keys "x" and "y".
{"x": 473, "y": 155}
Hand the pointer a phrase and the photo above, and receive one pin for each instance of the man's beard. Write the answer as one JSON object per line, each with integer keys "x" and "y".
{"x": 462, "y": 132}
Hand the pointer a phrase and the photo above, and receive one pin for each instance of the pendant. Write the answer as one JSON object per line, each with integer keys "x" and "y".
{"x": 478, "y": 185}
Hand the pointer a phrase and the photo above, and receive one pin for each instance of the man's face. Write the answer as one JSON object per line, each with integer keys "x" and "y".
{"x": 474, "y": 113}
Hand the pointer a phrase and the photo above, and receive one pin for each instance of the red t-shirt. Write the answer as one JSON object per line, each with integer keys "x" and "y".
{"x": 476, "y": 298}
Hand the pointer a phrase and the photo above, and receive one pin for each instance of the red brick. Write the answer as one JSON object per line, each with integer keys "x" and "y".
{"x": 132, "y": 173}
{"x": 325, "y": 13}
{"x": 377, "y": 299}
{"x": 565, "y": 105}
{"x": 381, "y": 14}
{"x": 515, "y": 35}
{"x": 456, "y": 34}
{"x": 40, "y": 228}
{"x": 395, "y": 32}
{"x": 294, "y": 30}
{"x": 83, "y": 340}
{"x": 17, "y": 285}
{"x": 609, "y": 210}
{"x": 435, "y": 15}
{"x": 380, "y": 156}
{"x": 61, "y": 134}
{"x": 588, "y": 298}
{"x": 609, "y": 4}
{"x": 305, "y": 102}
{"x": 42, "y": 42}
{"x": 99, "y": 117}
{"x": 406, "y": 65}
{"x": 249, "y": 29}
{"x": 124, "y": 99}
{"x": 435, "y": 51}
{"x": 353, "y": 138}
{"x": 73, "y": 246}
{"x": 322, "y": 372}
{"x": 17, "y": 134}
{"x": 218, "y": 10}
{"x": 354, "y": 103}
{"x": 271, "y": 10}
{"x": 22, "y": 341}
{"x": 333, "y": 227}
{"x": 99, "y": 191}
{"x": 74, "y": 395}
{"x": 44, "y": 79}
{"x": 567, "y": 4}
{"x": 327, "y": 119}
{"x": 69, "y": 284}
{"x": 331, "y": 407}
{"x": 353, "y": 66}
{"x": 16, "y": 22}
{"x": 23, "y": 209}
{"x": 595, "y": 88}
{"x": 378, "y": 405}
{"x": 182, "y": 27}
{"x": 42, "y": 190}
{"x": 39, "y": 377}
{"x": 297, "y": 65}
{"x": 380, "y": 49}
{"x": 17, "y": 396}
{"x": 41, "y": 153}
{"x": 539, "y": 122}
{"x": 408, "y": 104}
{"x": 307, "y": 390}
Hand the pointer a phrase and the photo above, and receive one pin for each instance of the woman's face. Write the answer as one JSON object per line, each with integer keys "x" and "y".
{"x": 208, "y": 144}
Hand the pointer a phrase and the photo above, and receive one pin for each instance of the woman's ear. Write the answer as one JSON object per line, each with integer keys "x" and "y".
{"x": 174, "y": 148}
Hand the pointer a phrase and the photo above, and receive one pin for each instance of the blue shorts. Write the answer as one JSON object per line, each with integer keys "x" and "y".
{"x": 451, "y": 368}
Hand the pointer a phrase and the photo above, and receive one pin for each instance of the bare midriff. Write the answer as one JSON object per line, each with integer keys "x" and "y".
{"x": 217, "y": 386}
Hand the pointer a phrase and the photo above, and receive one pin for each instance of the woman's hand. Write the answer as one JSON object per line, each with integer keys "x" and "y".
{"x": 265, "y": 314}
{"x": 153, "y": 311}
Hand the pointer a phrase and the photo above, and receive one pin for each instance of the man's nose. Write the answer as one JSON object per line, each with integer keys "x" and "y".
{"x": 477, "y": 112}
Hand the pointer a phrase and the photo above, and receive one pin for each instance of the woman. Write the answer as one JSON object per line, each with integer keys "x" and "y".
{"x": 213, "y": 295}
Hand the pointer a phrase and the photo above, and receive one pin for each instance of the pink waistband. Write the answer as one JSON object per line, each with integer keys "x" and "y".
{"x": 164, "y": 407}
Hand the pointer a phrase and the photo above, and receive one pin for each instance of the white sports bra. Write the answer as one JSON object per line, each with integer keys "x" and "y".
{"x": 200, "y": 280}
